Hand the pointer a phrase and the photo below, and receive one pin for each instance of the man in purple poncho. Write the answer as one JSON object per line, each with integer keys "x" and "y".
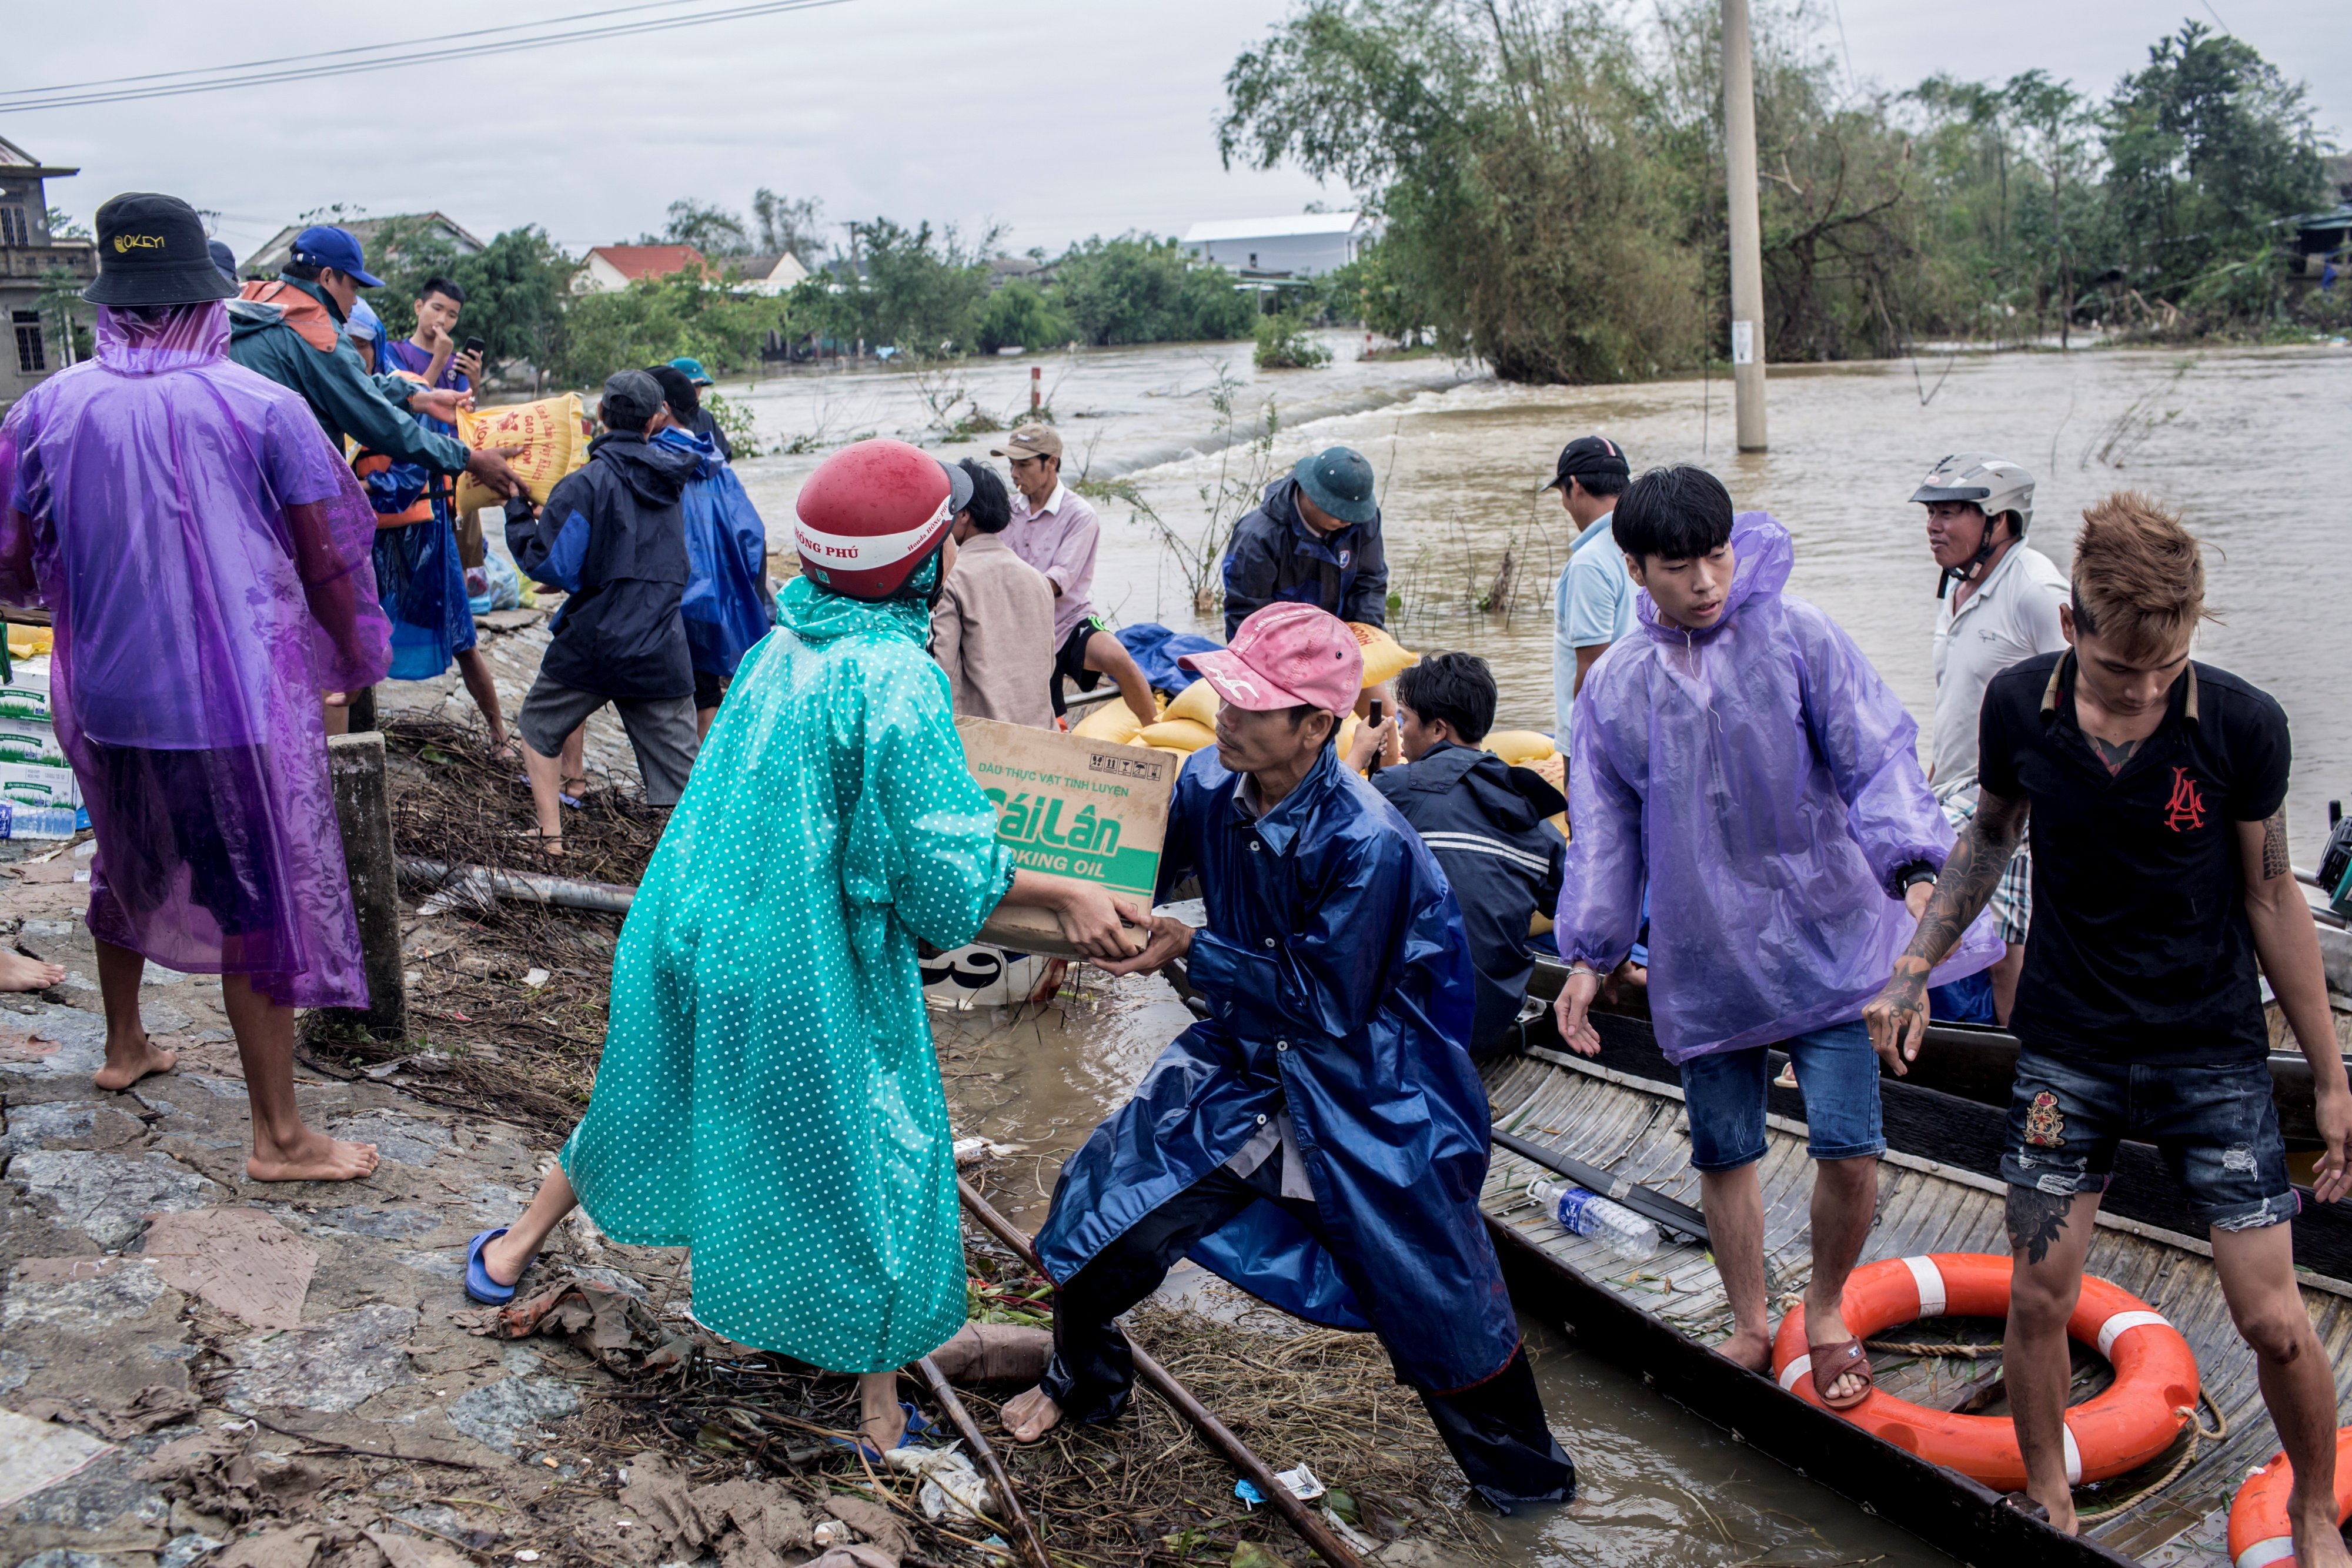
{"x": 204, "y": 554}
{"x": 1739, "y": 759}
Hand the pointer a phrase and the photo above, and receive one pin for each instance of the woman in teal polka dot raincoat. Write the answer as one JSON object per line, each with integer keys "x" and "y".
{"x": 768, "y": 1095}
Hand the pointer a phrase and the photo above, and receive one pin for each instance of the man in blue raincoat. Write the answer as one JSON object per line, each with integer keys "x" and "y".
{"x": 727, "y": 607}
{"x": 1319, "y": 1139}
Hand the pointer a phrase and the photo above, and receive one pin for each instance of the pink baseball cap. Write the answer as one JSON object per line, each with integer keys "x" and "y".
{"x": 1287, "y": 656}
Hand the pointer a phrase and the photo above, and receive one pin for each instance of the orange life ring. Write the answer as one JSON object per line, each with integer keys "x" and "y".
{"x": 2259, "y": 1533}
{"x": 2120, "y": 1429}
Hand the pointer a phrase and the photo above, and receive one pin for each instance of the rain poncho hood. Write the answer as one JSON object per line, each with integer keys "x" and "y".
{"x": 1765, "y": 782}
{"x": 726, "y": 606}
{"x": 1338, "y": 982}
{"x": 204, "y": 553}
{"x": 768, "y": 1094}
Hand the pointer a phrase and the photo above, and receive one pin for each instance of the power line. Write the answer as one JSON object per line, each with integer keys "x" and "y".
{"x": 65, "y": 98}
{"x": 333, "y": 54}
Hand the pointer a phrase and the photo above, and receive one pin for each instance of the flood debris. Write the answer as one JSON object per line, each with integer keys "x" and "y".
{"x": 608, "y": 1321}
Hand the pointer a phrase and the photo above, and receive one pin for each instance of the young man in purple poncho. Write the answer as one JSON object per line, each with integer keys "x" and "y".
{"x": 204, "y": 554}
{"x": 1739, "y": 759}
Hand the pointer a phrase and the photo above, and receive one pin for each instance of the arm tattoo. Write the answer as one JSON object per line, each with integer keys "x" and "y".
{"x": 1969, "y": 876}
{"x": 2115, "y": 754}
{"x": 2034, "y": 1220}
{"x": 2274, "y": 856}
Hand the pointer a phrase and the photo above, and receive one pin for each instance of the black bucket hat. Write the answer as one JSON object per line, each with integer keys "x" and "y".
{"x": 151, "y": 250}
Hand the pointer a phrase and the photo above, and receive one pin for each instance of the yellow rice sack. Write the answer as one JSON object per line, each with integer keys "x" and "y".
{"x": 1384, "y": 659}
{"x": 1198, "y": 702}
{"x": 1112, "y": 722}
{"x": 1520, "y": 747}
{"x": 1178, "y": 735}
{"x": 552, "y": 435}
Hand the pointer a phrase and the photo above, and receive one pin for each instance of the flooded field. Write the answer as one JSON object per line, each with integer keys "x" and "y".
{"x": 2246, "y": 441}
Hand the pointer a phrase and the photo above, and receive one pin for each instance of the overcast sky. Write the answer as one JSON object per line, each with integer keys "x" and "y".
{"x": 1056, "y": 118}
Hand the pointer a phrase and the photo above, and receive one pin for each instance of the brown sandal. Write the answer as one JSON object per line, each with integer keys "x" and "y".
{"x": 1832, "y": 1361}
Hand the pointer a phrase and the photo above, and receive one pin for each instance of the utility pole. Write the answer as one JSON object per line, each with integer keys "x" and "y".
{"x": 1747, "y": 229}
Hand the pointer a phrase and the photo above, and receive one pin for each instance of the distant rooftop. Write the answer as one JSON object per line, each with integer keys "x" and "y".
{"x": 1290, "y": 225}
{"x": 635, "y": 261}
{"x": 16, "y": 160}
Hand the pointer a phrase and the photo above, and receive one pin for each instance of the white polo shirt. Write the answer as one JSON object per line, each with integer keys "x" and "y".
{"x": 2011, "y": 616}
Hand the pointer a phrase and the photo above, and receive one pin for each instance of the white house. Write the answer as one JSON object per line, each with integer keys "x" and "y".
{"x": 768, "y": 275}
{"x": 609, "y": 268}
{"x": 1300, "y": 244}
{"x": 370, "y": 233}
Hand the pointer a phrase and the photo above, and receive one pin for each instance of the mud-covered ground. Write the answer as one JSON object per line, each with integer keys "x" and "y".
{"x": 198, "y": 1367}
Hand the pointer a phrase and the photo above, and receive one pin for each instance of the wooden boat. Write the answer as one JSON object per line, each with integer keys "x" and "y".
{"x": 1939, "y": 1192}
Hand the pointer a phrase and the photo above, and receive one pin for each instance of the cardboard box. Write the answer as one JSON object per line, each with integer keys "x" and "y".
{"x": 1071, "y": 806}
{"x": 28, "y": 741}
{"x": 25, "y": 697}
{"x": 38, "y": 784}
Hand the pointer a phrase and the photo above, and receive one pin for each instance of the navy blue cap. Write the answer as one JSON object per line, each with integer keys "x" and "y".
{"x": 323, "y": 245}
{"x": 1593, "y": 454}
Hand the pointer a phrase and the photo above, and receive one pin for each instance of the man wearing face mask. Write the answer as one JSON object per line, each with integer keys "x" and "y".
{"x": 1997, "y": 605}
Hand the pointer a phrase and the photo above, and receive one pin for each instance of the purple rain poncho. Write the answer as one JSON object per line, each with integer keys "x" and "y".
{"x": 1766, "y": 781}
{"x": 204, "y": 552}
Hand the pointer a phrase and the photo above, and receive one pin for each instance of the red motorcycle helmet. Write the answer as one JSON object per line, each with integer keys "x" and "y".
{"x": 870, "y": 517}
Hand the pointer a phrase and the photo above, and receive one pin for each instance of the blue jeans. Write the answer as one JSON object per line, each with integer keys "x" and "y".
{"x": 2216, "y": 1126}
{"x": 1836, "y": 1071}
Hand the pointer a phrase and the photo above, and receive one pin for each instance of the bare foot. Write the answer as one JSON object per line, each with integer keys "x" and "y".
{"x": 1029, "y": 1417}
{"x": 2061, "y": 1508}
{"x": 18, "y": 973}
{"x": 1752, "y": 1351}
{"x": 1825, "y": 1327}
{"x": 880, "y": 1420}
{"x": 126, "y": 1065}
{"x": 504, "y": 1260}
{"x": 311, "y": 1156}
{"x": 2318, "y": 1542}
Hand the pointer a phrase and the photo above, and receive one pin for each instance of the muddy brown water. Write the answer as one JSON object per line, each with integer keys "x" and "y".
{"x": 2242, "y": 441}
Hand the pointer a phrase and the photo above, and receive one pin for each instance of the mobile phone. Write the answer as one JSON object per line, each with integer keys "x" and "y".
{"x": 473, "y": 346}
{"x": 1377, "y": 716}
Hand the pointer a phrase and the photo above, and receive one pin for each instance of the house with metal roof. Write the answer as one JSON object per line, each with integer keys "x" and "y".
{"x": 31, "y": 257}
{"x": 383, "y": 238}
{"x": 1296, "y": 246}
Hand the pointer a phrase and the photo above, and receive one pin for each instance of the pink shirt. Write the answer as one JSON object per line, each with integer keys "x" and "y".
{"x": 1059, "y": 541}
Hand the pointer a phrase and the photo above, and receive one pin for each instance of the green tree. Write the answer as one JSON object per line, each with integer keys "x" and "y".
{"x": 2057, "y": 125}
{"x": 1141, "y": 289}
{"x": 708, "y": 228}
{"x": 1019, "y": 314}
{"x": 792, "y": 225}
{"x": 517, "y": 289}
{"x": 2209, "y": 146}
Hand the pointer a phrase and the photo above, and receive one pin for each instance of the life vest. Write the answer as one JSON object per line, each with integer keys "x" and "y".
{"x": 299, "y": 310}
{"x": 402, "y": 493}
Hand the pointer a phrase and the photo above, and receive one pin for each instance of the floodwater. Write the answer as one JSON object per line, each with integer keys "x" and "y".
{"x": 2245, "y": 441}
{"x": 2247, "y": 444}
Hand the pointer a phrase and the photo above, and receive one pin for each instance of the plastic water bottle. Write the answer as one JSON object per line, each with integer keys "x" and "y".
{"x": 37, "y": 821}
{"x": 1588, "y": 1213}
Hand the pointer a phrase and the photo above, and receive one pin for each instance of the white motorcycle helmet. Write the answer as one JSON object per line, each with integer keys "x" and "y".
{"x": 1996, "y": 485}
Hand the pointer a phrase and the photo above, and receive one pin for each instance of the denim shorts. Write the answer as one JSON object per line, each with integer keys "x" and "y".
{"x": 1837, "y": 1072}
{"x": 2217, "y": 1128}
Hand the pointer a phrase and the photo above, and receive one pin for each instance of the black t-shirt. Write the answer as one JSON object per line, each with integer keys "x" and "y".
{"x": 2139, "y": 947}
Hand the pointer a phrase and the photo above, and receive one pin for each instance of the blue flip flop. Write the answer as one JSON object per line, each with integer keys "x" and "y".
{"x": 478, "y": 1284}
{"x": 916, "y": 1427}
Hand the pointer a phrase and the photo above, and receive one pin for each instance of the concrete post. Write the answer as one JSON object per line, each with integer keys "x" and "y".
{"x": 362, "y": 711}
{"x": 1747, "y": 230}
{"x": 364, "y": 808}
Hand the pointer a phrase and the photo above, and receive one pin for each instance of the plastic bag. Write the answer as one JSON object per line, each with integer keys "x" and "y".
{"x": 505, "y": 589}
{"x": 552, "y": 433}
{"x": 1178, "y": 735}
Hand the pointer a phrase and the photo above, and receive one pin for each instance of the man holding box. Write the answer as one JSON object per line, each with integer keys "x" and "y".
{"x": 1319, "y": 1139}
